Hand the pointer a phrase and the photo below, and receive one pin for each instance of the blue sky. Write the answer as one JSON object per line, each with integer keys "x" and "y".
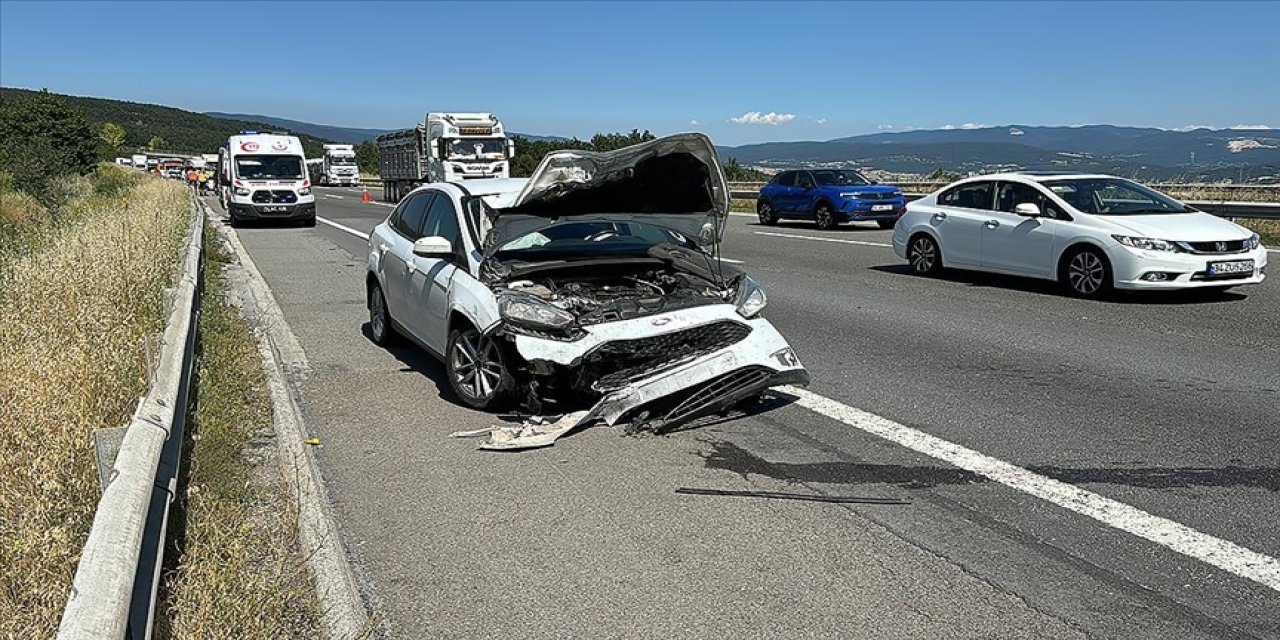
{"x": 808, "y": 71}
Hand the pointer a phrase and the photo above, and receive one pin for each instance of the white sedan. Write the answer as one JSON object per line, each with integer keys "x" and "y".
{"x": 1092, "y": 233}
{"x": 592, "y": 292}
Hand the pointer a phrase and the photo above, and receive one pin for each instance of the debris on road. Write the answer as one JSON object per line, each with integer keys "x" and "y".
{"x": 533, "y": 433}
{"x": 776, "y": 495}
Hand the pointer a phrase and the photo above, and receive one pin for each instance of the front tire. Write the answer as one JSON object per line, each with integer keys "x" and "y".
{"x": 824, "y": 216}
{"x": 1086, "y": 274}
{"x": 924, "y": 255}
{"x": 380, "y": 318}
{"x": 766, "y": 214}
{"x": 478, "y": 370}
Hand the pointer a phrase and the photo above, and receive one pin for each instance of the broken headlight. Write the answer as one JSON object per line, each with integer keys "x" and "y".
{"x": 751, "y": 298}
{"x": 528, "y": 310}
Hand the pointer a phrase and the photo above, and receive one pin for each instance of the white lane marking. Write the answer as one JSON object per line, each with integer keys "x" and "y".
{"x": 792, "y": 235}
{"x": 743, "y": 215}
{"x": 343, "y": 227}
{"x": 1224, "y": 554}
{"x": 330, "y": 195}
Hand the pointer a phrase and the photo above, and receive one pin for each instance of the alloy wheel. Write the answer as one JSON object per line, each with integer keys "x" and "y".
{"x": 378, "y": 315}
{"x": 477, "y": 369}
{"x": 1086, "y": 273}
{"x": 824, "y": 217}
{"x": 924, "y": 255}
{"x": 764, "y": 211}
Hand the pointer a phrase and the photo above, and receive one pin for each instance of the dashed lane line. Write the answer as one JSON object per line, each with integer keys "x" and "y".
{"x": 839, "y": 240}
{"x": 343, "y": 227}
{"x": 1223, "y": 554}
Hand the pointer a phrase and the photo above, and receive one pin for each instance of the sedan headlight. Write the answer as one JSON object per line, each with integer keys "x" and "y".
{"x": 241, "y": 191}
{"x": 528, "y": 310}
{"x": 305, "y": 191}
{"x": 751, "y": 299}
{"x": 1252, "y": 243}
{"x": 1149, "y": 244}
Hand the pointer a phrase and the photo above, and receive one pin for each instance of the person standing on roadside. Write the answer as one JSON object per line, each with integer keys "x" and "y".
{"x": 191, "y": 178}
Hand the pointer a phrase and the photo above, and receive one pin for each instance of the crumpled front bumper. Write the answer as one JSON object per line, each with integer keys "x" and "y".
{"x": 761, "y": 360}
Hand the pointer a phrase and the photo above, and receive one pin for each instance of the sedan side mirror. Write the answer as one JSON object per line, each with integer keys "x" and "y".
{"x": 1028, "y": 209}
{"x": 433, "y": 247}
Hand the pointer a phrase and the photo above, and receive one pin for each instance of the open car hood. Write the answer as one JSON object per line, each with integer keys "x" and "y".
{"x": 674, "y": 182}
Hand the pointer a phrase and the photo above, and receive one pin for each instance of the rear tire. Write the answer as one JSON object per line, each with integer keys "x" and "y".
{"x": 766, "y": 214}
{"x": 384, "y": 333}
{"x": 886, "y": 224}
{"x": 924, "y": 255}
{"x": 824, "y": 216}
{"x": 478, "y": 370}
{"x": 1086, "y": 273}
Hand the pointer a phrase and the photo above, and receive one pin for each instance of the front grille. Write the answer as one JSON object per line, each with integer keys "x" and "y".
{"x": 1229, "y": 246}
{"x": 618, "y": 362}
{"x": 877, "y": 196}
{"x": 274, "y": 196}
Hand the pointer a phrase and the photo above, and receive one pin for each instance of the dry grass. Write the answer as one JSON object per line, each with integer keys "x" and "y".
{"x": 77, "y": 302}
{"x": 1268, "y": 229}
{"x": 238, "y": 573}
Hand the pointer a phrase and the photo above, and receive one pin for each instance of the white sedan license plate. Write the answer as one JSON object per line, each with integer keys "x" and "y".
{"x": 1234, "y": 266}
{"x": 882, "y": 207}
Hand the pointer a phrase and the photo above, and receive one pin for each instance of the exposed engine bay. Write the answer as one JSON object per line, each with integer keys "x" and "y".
{"x": 618, "y": 292}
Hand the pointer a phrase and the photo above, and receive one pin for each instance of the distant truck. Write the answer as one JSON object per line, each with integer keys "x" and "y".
{"x": 446, "y": 147}
{"x": 140, "y": 161}
{"x": 263, "y": 176}
{"x": 338, "y": 166}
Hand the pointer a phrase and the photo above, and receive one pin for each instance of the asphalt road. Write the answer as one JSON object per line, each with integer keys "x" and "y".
{"x": 1169, "y": 404}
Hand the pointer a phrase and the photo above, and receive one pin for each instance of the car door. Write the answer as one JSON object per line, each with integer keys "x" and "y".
{"x": 803, "y": 193}
{"x": 958, "y": 219}
{"x": 780, "y": 192}
{"x": 429, "y": 278}
{"x": 1019, "y": 244}
{"x": 397, "y": 258}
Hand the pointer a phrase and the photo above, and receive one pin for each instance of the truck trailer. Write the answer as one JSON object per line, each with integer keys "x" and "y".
{"x": 263, "y": 176}
{"x": 445, "y": 147}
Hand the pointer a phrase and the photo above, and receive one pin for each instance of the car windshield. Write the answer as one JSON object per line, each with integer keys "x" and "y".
{"x": 269, "y": 167}
{"x": 476, "y": 147}
{"x": 1113, "y": 197}
{"x": 341, "y": 160}
{"x": 839, "y": 178}
{"x": 597, "y": 238}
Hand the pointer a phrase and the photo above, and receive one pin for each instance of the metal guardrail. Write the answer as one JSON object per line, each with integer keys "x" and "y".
{"x": 114, "y": 590}
{"x": 1222, "y": 208}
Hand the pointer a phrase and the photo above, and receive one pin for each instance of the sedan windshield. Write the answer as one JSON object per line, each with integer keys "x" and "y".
{"x": 577, "y": 240}
{"x": 1114, "y": 197}
{"x": 476, "y": 147}
{"x": 839, "y": 178}
{"x": 269, "y": 167}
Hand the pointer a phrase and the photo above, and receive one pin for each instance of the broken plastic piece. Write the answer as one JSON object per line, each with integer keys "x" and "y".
{"x": 534, "y": 433}
{"x": 312, "y": 441}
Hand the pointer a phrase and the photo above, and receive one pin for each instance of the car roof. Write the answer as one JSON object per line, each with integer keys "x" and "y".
{"x": 1039, "y": 176}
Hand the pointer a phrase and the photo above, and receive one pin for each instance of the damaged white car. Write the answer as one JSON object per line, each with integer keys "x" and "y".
{"x": 590, "y": 293}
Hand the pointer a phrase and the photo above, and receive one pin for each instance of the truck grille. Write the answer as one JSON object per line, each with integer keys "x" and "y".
{"x": 619, "y": 362}
{"x": 275, "y": 196}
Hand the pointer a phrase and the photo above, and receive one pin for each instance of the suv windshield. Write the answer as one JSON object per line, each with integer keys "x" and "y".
{"x": 476, "y": 147}
{"x": 1113, "y": 197}
{"x": 568, "y": 240}
{"x": 269, "y": 167}
{"x": 839, "y": 178}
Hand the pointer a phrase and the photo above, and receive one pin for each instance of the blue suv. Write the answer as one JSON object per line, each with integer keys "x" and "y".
{"x": 829, "y": 197}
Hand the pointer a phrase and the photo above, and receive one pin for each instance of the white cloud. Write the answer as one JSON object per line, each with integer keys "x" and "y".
{"x": 884, "y": 127}
{"x": 1191, "y": 127}
{"x": 1252, "y": 127}
{"x": 948, "y": 127}
{"x": 693, "y": 122}
{"x": 972, "y": 125}
{"x": 821, "y": 121}
{"x": 771, "y": 118}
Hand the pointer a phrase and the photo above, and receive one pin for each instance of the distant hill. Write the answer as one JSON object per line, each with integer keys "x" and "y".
{"x": 349, "y": 135}
{"x": 183, "y": 131}
{"x": 1142, "y": 152}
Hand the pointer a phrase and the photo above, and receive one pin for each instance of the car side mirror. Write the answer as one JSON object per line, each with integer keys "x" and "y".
{"x": 433, "y": 247}
{"x": 1028, "y": 209}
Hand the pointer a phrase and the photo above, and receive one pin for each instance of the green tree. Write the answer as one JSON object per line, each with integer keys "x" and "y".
{"x": 734, "y": 172}
{"x": 41, "y": 138}
{"x": 157, "y": 143}
{"x": 367, "y": 158}
{"x": 112, "y": 134}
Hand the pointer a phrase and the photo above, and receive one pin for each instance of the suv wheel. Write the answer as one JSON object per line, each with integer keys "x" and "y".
{"x": 764, "y": 211}
{"x": 1086, "y": 274}
{"x": 477, "y": 369}
{"x": 824, "y": 216}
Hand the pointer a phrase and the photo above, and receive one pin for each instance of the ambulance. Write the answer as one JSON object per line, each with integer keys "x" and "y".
{"x": 263, "y": 176}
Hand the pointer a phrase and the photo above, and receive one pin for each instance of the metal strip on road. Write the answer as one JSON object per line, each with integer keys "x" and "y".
{"x": 792, "y": 235}
{"x": 1223, "y": 554}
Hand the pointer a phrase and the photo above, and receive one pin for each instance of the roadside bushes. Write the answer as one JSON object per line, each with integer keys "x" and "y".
{"x": 42, "y": 138}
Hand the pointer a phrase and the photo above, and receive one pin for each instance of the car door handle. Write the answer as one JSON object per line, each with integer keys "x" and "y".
{"x": 410, "y": 267}
{"x": 991, "y": 224}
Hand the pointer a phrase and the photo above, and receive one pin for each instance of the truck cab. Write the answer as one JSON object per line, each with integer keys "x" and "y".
{"x": 338, "y": 167}
{"x": 264, "y": 177}
{"x": 445, "y": 147}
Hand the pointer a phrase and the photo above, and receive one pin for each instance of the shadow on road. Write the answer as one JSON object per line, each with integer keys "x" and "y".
{"x": 1048, "y": 288}
{"x": 418, "y": 360}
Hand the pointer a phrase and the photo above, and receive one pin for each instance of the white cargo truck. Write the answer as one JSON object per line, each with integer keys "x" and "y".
{"x": 140, "y": 161}
{"x": 338, "y": 166}
{"x": 446, "y": 147}
{"x": 263, "y": 176}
